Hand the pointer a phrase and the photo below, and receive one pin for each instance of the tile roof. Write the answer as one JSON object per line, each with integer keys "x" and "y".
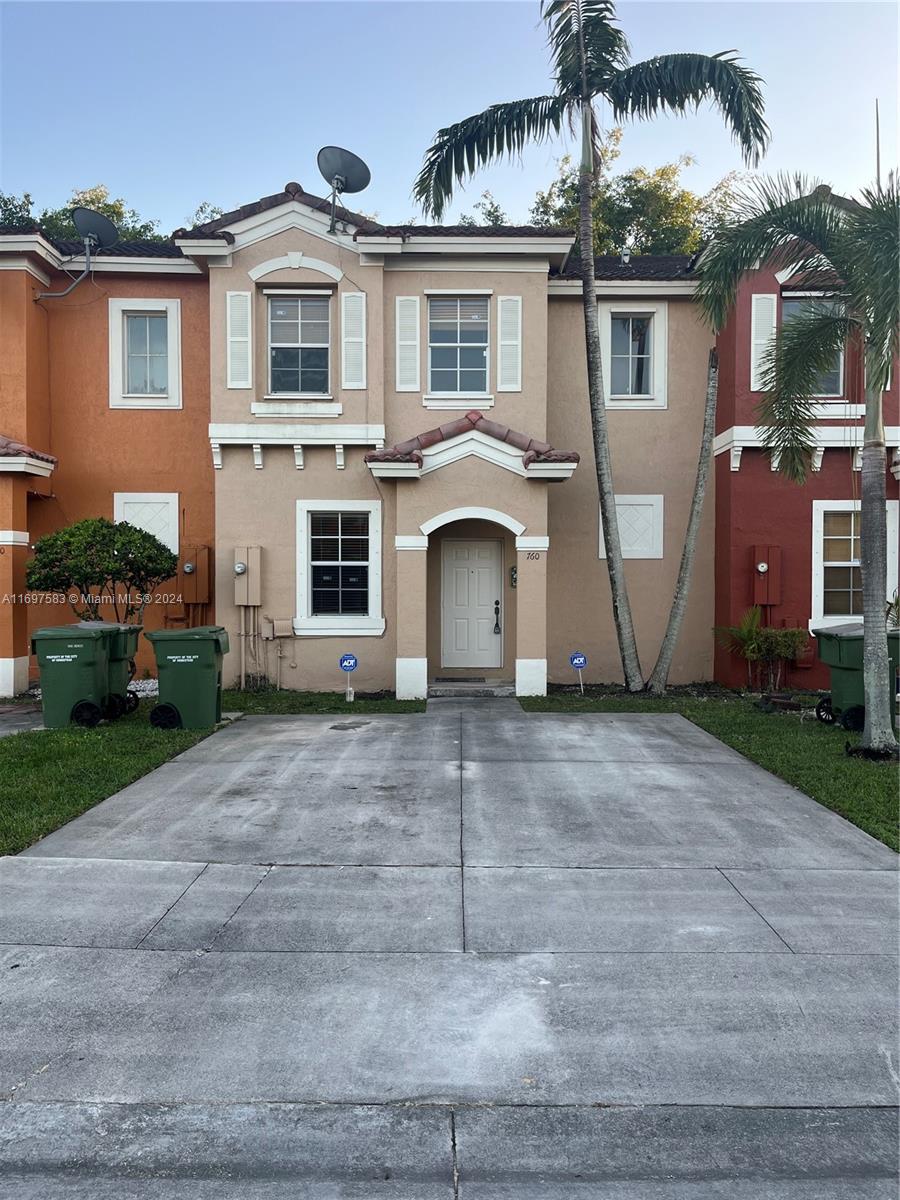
{"x": 663, "y": 267}
{"x": 10, "y": 448}
{"x": 365, "y": 226}
{"x": 532, "y": 450}
{"x": 510, "y": 231}
{"x": 73, "y": 247}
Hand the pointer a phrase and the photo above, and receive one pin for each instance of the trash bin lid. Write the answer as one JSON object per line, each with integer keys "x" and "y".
{"x": 109, "y": 626}
{"x": 82, "y": 632}
{"x": 200, "y": 633}
{"x": 852, "y": 629}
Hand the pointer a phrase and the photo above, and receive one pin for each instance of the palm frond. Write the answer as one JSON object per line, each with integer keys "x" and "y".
{"x": 874, "y": 245}
{"x": 781, "y": 221}
{"x": 803, "y": 351}
{"x": 681, "y": 82}
{"x": 458, "y": 151}
{"x": 606, "y": 48}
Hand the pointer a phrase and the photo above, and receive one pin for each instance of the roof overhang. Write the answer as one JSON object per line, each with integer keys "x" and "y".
{"x": 23, "y": 464}
{"x": 554, "y": 249}
{"x": 626, "y": 287}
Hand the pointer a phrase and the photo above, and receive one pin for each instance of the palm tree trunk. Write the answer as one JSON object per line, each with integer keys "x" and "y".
{"x": 877, "y": 683}
{"x": 631, "y": 666}
{"x": 656, "y": 684}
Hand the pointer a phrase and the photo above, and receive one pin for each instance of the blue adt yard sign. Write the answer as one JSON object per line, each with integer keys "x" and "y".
{"x": 579, "y": 662}
{"x": 348, "y": 662}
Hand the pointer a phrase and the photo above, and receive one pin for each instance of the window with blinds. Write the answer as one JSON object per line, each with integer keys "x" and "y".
{"x": 458, "y": 334}
{"x": 842, "y": 579}
{"x": 299, "y": 341}
{"x": 339, "y": 562}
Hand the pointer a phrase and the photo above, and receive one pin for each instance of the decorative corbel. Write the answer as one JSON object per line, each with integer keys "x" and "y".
{"x": 298, "y": 457}
{"x": 817, "y": 455}
{"x": 216, "y": 455}
{"x": 857, "y": 458}
{"x": 775, "y": 460}
{"x": 736, "y": 457}
{"x": 339, "y": 456}
{"x": 257, "y": 456}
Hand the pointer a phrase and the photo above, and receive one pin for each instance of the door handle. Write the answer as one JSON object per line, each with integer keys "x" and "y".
{"x": 496, "y": 616}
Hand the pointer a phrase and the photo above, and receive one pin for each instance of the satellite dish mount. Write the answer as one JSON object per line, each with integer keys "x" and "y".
{"x": 97, "y": 232}
{"x": 344, "y": 172}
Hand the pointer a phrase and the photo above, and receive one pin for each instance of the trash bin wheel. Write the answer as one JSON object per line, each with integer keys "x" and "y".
{"x": 165, "y": 716}
{"x": 824, "y": 711}
{"x": 853, "y": 719}
{"x": 86, "y": 713}
{"x": 131, "y": 702}
{"x": 116, "y": 706}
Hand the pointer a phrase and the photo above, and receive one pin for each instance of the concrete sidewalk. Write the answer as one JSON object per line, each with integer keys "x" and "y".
{"x": 469, "y": 953}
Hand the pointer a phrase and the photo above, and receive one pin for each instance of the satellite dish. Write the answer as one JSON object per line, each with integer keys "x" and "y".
{"x": 94, "y": 227}
{"x": 97, "y": 232}
{"x": 344, "y": 172}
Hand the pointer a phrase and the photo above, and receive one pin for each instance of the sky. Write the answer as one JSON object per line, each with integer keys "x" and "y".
{"x": 173, "y": 103}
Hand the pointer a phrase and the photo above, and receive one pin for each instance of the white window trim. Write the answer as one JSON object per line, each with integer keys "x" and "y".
{"x": 818, "y": 620}
{"x": 331, "y": 625}
{"x": 270, "y": 393}
{"x": 659, "y": 311}
{"x": 119, "y": 308}
{"x": 656, "y": 502}
{"x": 433, "y": 399}
{"x": 120, "y": 499}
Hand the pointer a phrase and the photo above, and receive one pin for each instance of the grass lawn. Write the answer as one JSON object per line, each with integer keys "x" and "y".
{"x": 313, "y": 702}
{"x": 47, "y": 777}
{"x": 805, "y": 753}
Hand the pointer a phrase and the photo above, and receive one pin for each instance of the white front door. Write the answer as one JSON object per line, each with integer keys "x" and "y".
{"x": 471, "y": 590}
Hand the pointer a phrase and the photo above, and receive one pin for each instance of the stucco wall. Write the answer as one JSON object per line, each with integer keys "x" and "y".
{"x": 653, "y": 452}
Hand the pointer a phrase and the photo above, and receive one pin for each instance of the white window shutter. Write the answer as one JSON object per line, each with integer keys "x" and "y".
{"x": 763, "y": 313}
{"x": 509, "y": 343}
{"x": 238, "y": 335}
{"x": 353, "y": 340}
{"x": 408, "y": 344}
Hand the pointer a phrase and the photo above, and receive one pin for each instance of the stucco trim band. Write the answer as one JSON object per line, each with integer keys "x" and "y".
{"x": 14, "y": 537}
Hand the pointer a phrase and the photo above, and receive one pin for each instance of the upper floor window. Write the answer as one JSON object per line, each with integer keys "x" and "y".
{"x": 147, "y": 354}
{"x": 830, "y": 381}
{"x": 631, "y": 355}
{"x": 144, "y": 353}
{"x": 299, "y": 341}
{"x": 633, "y": 350}
{"x": 458, "y": 334}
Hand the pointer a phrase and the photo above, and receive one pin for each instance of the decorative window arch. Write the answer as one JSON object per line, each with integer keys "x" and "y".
{"x": 472, "y": 514}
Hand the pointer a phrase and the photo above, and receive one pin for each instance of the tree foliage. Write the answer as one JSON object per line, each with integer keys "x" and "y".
{"x": 649, "y": 211}
{"x": 486, "y": 211}
{"x": 101, "y": 565}
{"x": 57, "y": 222}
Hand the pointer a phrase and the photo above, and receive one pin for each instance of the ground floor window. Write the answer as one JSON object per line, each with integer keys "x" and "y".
{"x": 338, "y": 567}
{"x": 836, "y": 546}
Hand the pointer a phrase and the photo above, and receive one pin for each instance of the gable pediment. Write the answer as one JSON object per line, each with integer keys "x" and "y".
{"x": 472, "y": 436}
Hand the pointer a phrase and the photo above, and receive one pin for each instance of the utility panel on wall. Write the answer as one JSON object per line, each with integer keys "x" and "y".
{"x": 766, "y": 567}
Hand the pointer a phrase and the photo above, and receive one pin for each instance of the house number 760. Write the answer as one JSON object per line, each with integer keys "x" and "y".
{"x": 532, "y": 555}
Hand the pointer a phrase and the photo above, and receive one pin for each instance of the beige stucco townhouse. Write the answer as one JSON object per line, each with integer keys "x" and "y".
{"x": 402, "y": 450}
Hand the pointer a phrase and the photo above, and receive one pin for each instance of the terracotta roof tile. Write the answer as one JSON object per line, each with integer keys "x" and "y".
{"x": 10, "y": 448}
{"x": 473, "y": 421}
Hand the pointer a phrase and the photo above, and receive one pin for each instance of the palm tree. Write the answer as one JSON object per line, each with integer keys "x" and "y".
{"x": 850, "y": 251}
{"x": 590, "y": 56}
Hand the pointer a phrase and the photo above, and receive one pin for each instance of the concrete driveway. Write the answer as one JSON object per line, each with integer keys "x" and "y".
{"x": 471, "y": 953}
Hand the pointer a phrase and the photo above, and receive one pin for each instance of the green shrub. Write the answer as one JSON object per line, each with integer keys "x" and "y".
{"x": 99, "y": 564}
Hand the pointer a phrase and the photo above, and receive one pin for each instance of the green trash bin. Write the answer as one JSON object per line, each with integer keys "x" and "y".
{"x": 189, "y": 664}
{"x": 122, "y": 647}
{"x": 841, "y": 648}
{"x": 74, "y": 665}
